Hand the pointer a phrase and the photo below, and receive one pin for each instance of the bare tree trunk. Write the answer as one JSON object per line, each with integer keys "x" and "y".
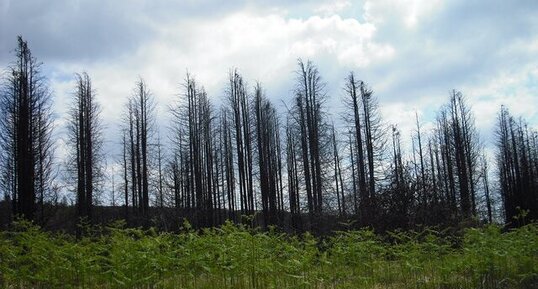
{"x": 26, "y": 126}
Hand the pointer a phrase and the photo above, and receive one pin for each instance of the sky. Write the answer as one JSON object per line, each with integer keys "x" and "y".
{"x": 411, "y": 53}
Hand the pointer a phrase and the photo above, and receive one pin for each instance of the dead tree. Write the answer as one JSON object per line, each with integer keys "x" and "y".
{"x": 85, "y": 139}
{"x": 140, "y": 125}
{"x": 368, "y": 143}
{"x": 239, "y": 106}
{"x": 456, "y": 159}
{"x": 193, "y": 140}
{"x": 268, "y": 141}
{"x": 292, "y": 165}
{"x": 338, "y": 181}
{"x": 309, "y": 123}
{"x": 517, "y": 166}
{"x": 26, "y": 126}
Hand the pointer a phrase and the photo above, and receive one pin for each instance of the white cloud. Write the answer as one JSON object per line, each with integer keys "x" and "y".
{"x": 509, "y": 89}
{"x": 264, "y": 47}
{"x": 410, "y": 52}
{"x": 407, "y": 12}
{"x": 332, "y": 7}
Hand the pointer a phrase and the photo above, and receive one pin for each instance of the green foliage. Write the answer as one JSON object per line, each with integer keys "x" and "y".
{"x": 234, "y": 256}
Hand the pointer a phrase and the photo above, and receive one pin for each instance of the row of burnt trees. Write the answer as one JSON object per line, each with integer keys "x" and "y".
{"x": 242, "y": 158}
{"x": 137, "y": 134}
{"x": 85, "y": 143}
{"x": 270, "y": 163}
{"x": 446, "y": 177}
{"x": 28, "y": 174}
{"x": 25, "y": 138}
{"x": 195, "y": 180}
{"x": 517, "y": 161}
{"x": 307, "y": 149}
{"x": 366, "y": 146}
{"x": 232, "y": 160}
{"x": 212, "y": 171}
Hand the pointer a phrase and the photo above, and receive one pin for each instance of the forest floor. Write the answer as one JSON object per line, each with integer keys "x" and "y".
{"x": 233, "y": 256}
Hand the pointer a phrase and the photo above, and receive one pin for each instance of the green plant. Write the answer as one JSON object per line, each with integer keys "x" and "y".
{"x": 234, "y": 256}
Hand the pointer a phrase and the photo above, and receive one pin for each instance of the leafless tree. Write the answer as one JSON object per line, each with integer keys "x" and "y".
{"x": 367, "y": 144}
{"x": 26, "y": 125}
{"x": 140, "y": 126}
{"x": 517, "y": 166}
{"x": 193, "y": 139}
{"x": 239, "y": 106}
{"x": 85, "y": 140}
{"x": 309, "y": 123}
{"x": 269, "y": 159}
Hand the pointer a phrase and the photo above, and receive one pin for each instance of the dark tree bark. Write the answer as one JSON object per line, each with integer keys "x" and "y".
{"x": 309, "y": 123}
{"x": 487, "y": 194}
{"x": 193, "y": 131}
{"x": 239, "y": 106}
{"x": 516, "y": 164}
{"x": 368, "y": 143}
{"x": 229, "y": 165}
{"x": 160, "y": 174}
{"x": 339, "y": 184}
{"x": 363, "y": 210}
{"x": 140, "y": 124}
{"x": 85, "y": 137}
{"x": 455, "y": 156}
{"x": 268, "y": 142}
{"x": 125, "y": 175}
{"x": 26, "y": 127}
{"x": 293, "y": 176}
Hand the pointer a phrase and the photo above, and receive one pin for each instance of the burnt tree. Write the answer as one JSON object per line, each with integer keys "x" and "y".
{"x": 85, "y": 139}
{"x": 517, "y": 166}
{"x": 194, "y": 144}
{"x": 26, "y": 126}
{"x": 268, "y": 148}
{"x": 238, "y": 101}
{"x": 309, "y": 123}
{"x": 367, "y": 143}
{"x": 140, "y": 120}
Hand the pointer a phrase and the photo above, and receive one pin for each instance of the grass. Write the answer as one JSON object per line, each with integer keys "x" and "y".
{"x": 236, "y": 257}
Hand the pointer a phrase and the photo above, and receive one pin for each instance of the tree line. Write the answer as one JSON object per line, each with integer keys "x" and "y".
{"x": 296, "y": 169}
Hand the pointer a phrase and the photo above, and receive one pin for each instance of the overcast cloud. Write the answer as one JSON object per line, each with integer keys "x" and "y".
{"x": 411, "y": 53}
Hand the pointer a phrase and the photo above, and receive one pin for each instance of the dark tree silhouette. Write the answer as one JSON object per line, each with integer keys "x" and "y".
{"x": 338, "y": 181}
{"x": 517, "y": 166}
{"x": 269, "y": 159}
{"x": 398, "y": 199}
{"x": 159, "y": 182}
{"x": 460, "y": 150}
{"x": 238, "y": 101}
{"x": 292, "y": 166}
{"x": 241, "y": 160}
{"x": 140, "y": 127}
{"x": 310, "y": 125}
{"x": 26, "y": 126}
{"x": 193, "y": 139}
{"x": 227, "y": 161}
{"x": 366, "y": 146}
{"x": 85, "y": 140}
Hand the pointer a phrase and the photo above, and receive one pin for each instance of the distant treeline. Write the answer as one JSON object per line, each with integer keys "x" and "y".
{"x": 243, "y": 158}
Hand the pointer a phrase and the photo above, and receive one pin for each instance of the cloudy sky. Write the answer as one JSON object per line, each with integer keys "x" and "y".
{"x": 410, "y": 52}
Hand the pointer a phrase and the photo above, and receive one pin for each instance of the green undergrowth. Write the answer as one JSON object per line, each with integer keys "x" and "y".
{"x": 236, "y": 257}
